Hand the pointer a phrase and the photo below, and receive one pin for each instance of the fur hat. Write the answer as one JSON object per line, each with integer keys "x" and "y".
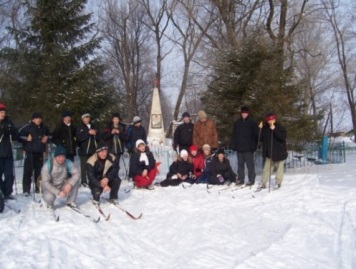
{"x": 101, "y": 146}
{"x": 206, "y": 146}
{"x": 183, "y": 153}
{"x": 36, "y": 115}
{"x": 59, "y": 150}
{"x": 140, "y": 141}
{"x": 202, "y": 115}
{"x": 270, "y": 116}
{"x": 2, "y": 107}
{"x": 136, "y": 119}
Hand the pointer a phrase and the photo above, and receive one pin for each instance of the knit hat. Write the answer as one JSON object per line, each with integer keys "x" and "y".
{"x": 202, "y": 115}
{"x": 101, "y": 146}
{"x": 244, "y": 109}
{"x": 85, "y": 115}
{"x": 193, "y": 148}
{"x": 66, "y": 113}
{"x": 270, "y": 116}
{"x": 36, "y": 115}
{"x": 185, "y": 114}
{"x": 206, "y": 146}
{"x": 183, "y": 153}
{"x": 2, "y": 107}
{"x": 116, "y": 115}
{"x": 140, "y": 141}
{"x": 59, "y": 150}
{"x": 220, "y": 151}
{"x": 136, "y": 119}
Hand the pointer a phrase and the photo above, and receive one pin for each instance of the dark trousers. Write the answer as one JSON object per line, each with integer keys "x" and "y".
{"x": 114, "y": 186}
{"x": 6, "y": 169}
{"x": 248, "y": 159}
{"x": 83, "y": 169}
{"x": 33, "y": 162}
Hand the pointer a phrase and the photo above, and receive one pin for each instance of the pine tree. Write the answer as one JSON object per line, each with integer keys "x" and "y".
{"x": 54, "y": 66}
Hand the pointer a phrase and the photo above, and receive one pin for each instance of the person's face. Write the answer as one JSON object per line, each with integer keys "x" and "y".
{"x": 206, "y": 152}
{"x": 244, "y": 115}
{"x": 185, "y": 158}
{"x": 37, "y": 121}
{"x": 67, "y": 119}
{"x": 86, "y": 120}
{"x": 2, "y": 114}
{"x": 220, "y": 156}
{"x": 115, "y": 120}
{"x": 186, "y": 119}
{"x": 141, "y": 147}
{"x": 60, "y": 159}
{"x": 194, "y": 152}
{"x": 271, "y": 122}
{"x": 103, "y": 154}
{"x": 203, "y": 119}
{"x": 138, "y": 124}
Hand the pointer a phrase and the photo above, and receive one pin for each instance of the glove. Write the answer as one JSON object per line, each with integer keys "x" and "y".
{"x": 198, "y": 170}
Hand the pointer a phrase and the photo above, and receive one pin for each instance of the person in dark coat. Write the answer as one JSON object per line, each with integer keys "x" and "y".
{"x": 274, "y": 149}
{"x": 34, "y": 137}
{"x": 102, "y": 170}
{"x": 143, "y": 166}
{"x": 183, "y": 135}
{"x": 87, "y": 139}
{"x": 114, "y": 135}
{"x": 208, "y": 165}
{"x": 221, "y": 169}
{"x": 64, "y": 135}
{"x": 180, "y": 171}
{"x": 244, "y": 142}
{"x": 8, "y": 133}
{"x": 134, "y": 133}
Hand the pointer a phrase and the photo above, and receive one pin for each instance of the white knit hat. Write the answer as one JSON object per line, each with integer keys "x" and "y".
{"x": 140, "y": 141}
{"x": 136, "y": 119}
{"x": 183, "y": 153}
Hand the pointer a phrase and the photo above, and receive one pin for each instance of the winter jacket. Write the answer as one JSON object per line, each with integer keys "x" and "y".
{"x": 8, "y": 133}
{"x": 64, "y": 135}
{"x": 205, "y": 133}
{"x": 245, "y": 135}
{"x": 137, "y": 166}
{"x": 115, "y": 142}
{"x": 198, "y": 164}
{"x": 222, "y": 168}
{"x": 87, "y": 143}
{"x": 274, "y": 142}
{"x": 183, "y": 135}
{"x": 37, "y": 132}
{"x": 135, "y": 133}
{"x": 208, "y": 164}
{"x": 185, "y": 168}
{"x": 54, "y": 181}
{"x": 97, "y": 170}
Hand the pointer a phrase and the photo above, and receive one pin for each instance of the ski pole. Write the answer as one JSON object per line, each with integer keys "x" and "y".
{"x": 271, "y": 162}
{"x": 13, "y": 164}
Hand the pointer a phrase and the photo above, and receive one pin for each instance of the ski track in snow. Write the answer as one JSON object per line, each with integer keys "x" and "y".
{"x": 309, "y": 223}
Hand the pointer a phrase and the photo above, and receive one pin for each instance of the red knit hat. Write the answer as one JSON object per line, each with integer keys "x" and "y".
{"x": 270, "y": 116}
{"x": 2, "y": 107}
{"x": 193, "y": 148}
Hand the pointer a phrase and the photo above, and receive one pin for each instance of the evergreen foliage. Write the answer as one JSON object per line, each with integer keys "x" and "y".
{"x": 52, "y": 66}
{"x": 250, "y": 77}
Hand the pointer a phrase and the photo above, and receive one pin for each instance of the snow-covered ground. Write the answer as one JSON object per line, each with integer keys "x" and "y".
{"x": 309, "y": 223}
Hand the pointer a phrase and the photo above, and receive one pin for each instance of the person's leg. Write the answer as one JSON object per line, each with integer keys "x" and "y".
{"x": 151, "y": 176}
{"x": 279, "y": 173}
{"x": 83, "y": 171}
{"x": 38, "y": 163}
{"x": 140, "y": 181}
{"x": 96, "y": 192}
{"x": 114, "y": 188}
{"x": 8, "y": 169}
{"x": 250, "y": 163}
{"x": 27, "y": 173}
{"x": 72, "y": 196}
{"x": 266, "y": 171}
{"x": 240, "y": 168}
{"x": 48, "y": 197}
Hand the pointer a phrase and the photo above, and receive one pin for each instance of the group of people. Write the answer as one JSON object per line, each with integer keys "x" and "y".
{"x": 199, "y": 158}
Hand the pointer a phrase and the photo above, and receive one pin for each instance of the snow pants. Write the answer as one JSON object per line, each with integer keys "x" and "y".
{"x": 6, "y": 169}
{"x": 50, "y": 197}
{"x": 141, "y": 181}
{"x": 269, "y": 166}
{"x": 114, "y": 189}
{"x": 248, "y": 159}
{"x": 33, "y": 162}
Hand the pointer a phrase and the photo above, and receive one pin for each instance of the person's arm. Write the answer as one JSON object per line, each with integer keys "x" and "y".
{"x": 74, "y": 172}
{"x": 114, "y": 170}
{"x": 91, "y": 175}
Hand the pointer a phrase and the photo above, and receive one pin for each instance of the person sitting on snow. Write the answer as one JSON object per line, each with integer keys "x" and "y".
{"x": 60, "y": 178}
{"x": 197, "y": 160}
{"x": 221, "y": 169}
{"x": 180, "y": 171}
{"x": 207, "y": 170}
{"x": 142, "y": 166}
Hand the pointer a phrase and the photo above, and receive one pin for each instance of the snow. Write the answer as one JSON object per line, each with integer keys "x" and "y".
{"x": 309, "y": 223}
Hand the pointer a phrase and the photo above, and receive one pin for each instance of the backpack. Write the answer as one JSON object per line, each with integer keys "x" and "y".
{"x": 68, "y": 165}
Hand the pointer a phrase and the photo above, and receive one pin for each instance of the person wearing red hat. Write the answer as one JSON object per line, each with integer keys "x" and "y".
{"x": 8, "y": 132}
{"x": 197, "y": 160}
{"x": 274, "y": 150}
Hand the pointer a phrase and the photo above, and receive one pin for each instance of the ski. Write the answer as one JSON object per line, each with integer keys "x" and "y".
{"x": 125, "y": 211}
{"x": 53, "y": 214}
{"x": 106, "y": 217}
{"x": 127, "y": 190}
{"x": 239, "y": 187}
{"x": 187, "y": 186}
{"x": 85, "y": 215}
{"x": 12, "y": 208}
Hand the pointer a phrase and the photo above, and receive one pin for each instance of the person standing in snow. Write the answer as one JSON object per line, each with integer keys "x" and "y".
{"x": 34, "y": 137}
{"x": 183, "y": 135}
{"x": 143, "y": 166}
{"x": 8, "y": 132}
{"x": 87, "y": 139}
{"x": 244, "y": 142}
{"x": 102, "y": 170}
{"x": 274, "y": 149}
{"x": 205, "y": 132}
{"x": 134, "y": 133}
{"x": 60, "y": 178}
{"x": 64, "y": 135}
{"x": 221, "y": 171}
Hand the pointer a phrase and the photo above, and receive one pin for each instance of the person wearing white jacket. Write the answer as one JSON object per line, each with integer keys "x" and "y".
{"x": 60, "y": 178}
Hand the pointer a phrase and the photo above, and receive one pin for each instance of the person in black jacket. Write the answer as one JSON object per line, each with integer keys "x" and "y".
{"x": 34, "y": 137}
{"x": 183, "y": 135}
{"x": 102, "y": 170}
{"x": 179, "y": 171}
{"x": 274, "y": 149}
{"x": 221, "y": 169}
{"x": 114, "y": 135}
{"x": 87, "y": 139}
{"x": 8, "y": 132}
{"x": 134, "y": 133}
{"x": 142, "y": 166}
{"x": 244, "y": 141}
{"x": 64, "y": 135}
